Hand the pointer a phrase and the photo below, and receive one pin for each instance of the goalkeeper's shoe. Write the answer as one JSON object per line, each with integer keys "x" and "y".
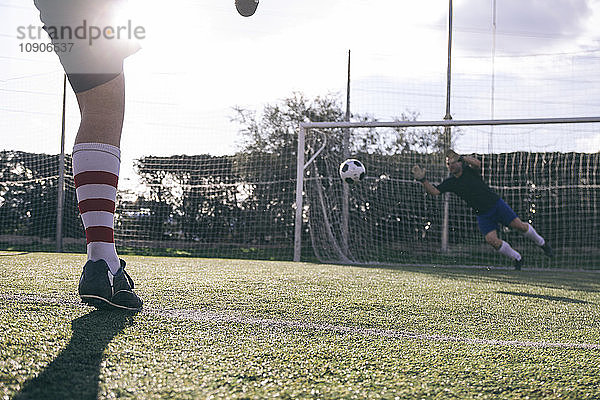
{"x": 548, "y": 250}
{"x": 98, "y": 287}
{"x": 518, "y": 264}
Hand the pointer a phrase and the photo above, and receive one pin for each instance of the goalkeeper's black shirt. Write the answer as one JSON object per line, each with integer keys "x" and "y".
{"x": 471, "y": 188}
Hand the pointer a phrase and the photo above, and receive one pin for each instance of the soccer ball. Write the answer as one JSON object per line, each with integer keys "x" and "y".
{"x": 246, "y": 8}
{"x": 352, "y": 171}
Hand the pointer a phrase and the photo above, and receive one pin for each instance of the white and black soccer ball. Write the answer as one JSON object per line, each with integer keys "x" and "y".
{"x": 352, "y": 171}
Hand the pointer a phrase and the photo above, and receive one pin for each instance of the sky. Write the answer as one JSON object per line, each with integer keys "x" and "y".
{"x": 199, "y": 59}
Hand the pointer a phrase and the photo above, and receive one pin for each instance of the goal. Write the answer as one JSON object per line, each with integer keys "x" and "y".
{"x": 548, "y": 171}
{"x": 288, "y": 202}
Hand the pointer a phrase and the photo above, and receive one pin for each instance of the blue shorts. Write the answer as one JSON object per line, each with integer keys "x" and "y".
{"x": 500, "y": 213}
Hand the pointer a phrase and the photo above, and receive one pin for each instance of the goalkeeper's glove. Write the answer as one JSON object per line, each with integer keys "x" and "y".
{"x": 418, "y": 173}
{"x": 452, "y": 155}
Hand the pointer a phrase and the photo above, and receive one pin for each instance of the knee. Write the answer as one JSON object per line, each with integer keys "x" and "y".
{"x": 519, "y": 225}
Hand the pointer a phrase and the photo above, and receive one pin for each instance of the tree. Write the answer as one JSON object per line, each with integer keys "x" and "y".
{"x": 28, "y": 195}
{"x": 277, "y": 128}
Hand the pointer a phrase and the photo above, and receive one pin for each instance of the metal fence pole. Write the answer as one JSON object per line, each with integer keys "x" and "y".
{"x": 345, "y": 155}
{"x": 61, "y": 176}
{"x": 447, "y": 129}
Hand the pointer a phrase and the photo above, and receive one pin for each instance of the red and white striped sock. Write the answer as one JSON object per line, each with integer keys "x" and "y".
{"x": 96, "y": 171}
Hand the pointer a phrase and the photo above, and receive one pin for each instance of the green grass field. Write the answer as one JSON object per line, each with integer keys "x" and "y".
{"x": 214, "y": 328}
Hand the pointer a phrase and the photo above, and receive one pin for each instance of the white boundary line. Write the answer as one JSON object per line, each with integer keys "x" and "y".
{"x": 236, "y": 317}
{"x": 355, "y": 330}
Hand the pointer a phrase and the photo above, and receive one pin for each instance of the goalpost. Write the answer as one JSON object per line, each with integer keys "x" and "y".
{"x": 548, "y": 171}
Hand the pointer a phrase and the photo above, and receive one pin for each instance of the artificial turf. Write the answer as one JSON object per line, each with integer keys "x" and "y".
{"x": 214, "y": 328}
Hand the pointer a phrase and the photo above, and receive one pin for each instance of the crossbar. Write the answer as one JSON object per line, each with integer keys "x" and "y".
{"x": 473, "y": 122}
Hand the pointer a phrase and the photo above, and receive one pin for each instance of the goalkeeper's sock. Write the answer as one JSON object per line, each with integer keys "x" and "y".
{"x": 533, "y": 235}
{"x": 509, "y": 251}
{"x": 96, "y": 172}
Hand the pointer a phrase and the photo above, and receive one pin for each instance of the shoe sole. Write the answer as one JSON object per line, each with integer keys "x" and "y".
{"x": 103, "y": 304}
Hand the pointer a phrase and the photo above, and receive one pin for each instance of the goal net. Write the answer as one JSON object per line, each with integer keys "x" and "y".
{"x": 248, "y": 205}
{"x": 546, "y": 173}
{"x": 233, "y": 206}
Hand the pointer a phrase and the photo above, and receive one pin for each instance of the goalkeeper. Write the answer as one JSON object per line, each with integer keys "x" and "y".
{"x": 465, "y": 181}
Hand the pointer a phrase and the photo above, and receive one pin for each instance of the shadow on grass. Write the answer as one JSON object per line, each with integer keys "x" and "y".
{"x": 545, "y": 297}
{"x": 584, "y": 280}
{"x": 75, "y": 373}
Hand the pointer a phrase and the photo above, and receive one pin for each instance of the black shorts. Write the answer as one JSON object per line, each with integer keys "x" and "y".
{"x": 89, "y": 39}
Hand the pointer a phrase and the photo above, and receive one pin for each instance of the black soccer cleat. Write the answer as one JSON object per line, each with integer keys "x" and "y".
{"x": 548, "y": 250}
{"x": 98, "y": 287}
{"x": 518, "y": 264}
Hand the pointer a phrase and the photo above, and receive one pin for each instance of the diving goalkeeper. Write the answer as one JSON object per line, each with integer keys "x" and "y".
{"x": 465, "y": 181}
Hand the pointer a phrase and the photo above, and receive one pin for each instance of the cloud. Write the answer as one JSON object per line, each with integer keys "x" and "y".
{"x": 531, "y": 26}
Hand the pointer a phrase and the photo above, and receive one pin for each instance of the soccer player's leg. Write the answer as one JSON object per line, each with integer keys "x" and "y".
{"x": 529, "y": 232}
{"x": 504, "y": 248}
{"x": 95, "y": 72}
{"x": 96, "y": 164}
{"x": 487, "y": 226}
{"x": 102, "y": 110}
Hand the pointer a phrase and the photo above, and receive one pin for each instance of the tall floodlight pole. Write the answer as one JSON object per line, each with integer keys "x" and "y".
{"x": 61, "y": 176}
{"x": 447, "y": 129}
{"x": 346, "y": 155}
{"x": 491, "y": 141}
